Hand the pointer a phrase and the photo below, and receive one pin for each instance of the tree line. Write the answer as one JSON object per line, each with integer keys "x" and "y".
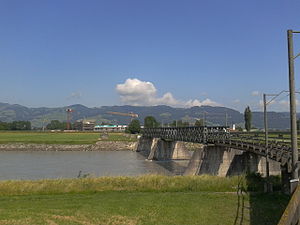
{"x": 15, "y": 125}
{"x": 26, "y": 125}
{"x": 150, "y": 122}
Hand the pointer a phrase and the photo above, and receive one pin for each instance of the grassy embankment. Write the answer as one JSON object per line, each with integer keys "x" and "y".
{"x": 58, "y": 137}
{"x": 283, "y": 137}
{"x": 137, "y": 200}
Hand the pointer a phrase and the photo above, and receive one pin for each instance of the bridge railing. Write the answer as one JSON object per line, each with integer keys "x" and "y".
{"x": 217, "y": 135}
{"x": 189, "y": 134}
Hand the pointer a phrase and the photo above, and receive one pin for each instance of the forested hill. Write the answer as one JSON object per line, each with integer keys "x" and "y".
{"x": 164, "y": 114}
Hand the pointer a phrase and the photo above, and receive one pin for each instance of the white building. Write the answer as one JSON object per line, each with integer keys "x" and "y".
{"x": 110, "y": 128}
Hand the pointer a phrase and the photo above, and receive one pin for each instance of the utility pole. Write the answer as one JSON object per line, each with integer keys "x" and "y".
{"x": 293, "y": 116}
{"x": 266, "y": 140}
{"x": 269, "y": 184}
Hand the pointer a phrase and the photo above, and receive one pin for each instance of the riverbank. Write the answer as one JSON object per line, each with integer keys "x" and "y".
{"x": 98, "y": 146}
{"x": 137, "y": 200}
{"x": 103, "y": 145}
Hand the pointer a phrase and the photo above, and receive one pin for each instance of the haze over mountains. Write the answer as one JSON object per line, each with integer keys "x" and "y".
{"x": 166, "y": 114}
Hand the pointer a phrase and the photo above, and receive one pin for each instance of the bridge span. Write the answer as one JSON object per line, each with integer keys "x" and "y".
{"x": 164, "y": 143}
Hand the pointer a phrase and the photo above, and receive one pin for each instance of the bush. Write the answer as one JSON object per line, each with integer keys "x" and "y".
{"x": 134, "y": 127}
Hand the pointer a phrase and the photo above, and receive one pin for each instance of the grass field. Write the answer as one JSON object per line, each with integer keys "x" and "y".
{"x": 132, "y": 208}
{"x": 57, "y": 137}
{"x": 137, "y": 200}
{"x": 148, "y": 183}
{"x": 259, "y": 137}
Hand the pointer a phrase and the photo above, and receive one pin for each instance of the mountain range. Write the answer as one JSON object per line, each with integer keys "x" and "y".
{"x": 214, "y": 115}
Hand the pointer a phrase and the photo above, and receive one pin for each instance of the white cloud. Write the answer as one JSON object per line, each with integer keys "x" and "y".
{"x": 255, "y": 93}
{"x": 142, "y": 93}
{"x": 196, "y": 102}
{"x": 236, "y": 101}
{"x": 75, "y": 95}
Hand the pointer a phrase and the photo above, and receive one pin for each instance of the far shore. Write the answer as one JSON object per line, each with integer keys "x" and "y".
{"x": 99, "y": 146}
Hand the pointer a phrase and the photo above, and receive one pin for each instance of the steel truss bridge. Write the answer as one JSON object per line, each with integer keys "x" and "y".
{"x": 278, "y": 148}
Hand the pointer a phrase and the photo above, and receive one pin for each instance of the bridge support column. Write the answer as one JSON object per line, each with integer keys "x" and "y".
{"x": 274, "y": 167}
{"x": 144, "y": 146}
{"x": 167, "y": 150}
{"x": 153, "y": 149}
{"x": 286, "y": 176}
{"x": 209, "y": 160}
{"x": 195, "y": 163}
{"x": 232, "y": 162}
{"x": 223, "y": 161}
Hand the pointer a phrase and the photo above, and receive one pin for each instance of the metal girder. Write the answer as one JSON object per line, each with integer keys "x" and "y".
{"x": 219, "y": 135}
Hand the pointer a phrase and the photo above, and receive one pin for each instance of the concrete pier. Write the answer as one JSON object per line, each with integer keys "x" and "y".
{"x": 144, "y": 146}
{"x": 168, "y": 150}
{"x": 222, "y": 161}
{"x": 159, "y": 149}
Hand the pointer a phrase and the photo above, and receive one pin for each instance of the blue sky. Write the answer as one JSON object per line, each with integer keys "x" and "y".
{"x": 140, "y": 52}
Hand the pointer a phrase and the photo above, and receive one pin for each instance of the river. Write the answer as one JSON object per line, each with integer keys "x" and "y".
{"x": 32, "y": 165}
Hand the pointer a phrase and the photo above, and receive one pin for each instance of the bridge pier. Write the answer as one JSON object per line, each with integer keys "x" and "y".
{"x": 286, "y": 176}
{"x": 159, "y": 149}
{"x": 223, "y": 161}
{"x": 144, "y": 145}
{"x": 167, "y": 150}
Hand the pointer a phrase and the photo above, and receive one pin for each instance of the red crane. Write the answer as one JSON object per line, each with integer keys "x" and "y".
{"x": 69, "y": 117}
{"x": 132, "y": 115}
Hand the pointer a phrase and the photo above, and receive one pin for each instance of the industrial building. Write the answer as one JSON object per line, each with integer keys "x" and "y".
{"x": 110, "y": 128}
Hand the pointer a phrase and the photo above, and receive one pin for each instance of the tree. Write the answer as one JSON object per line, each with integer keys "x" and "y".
{"x": 4, "y": 126}
{"x": 134, "y": 127}
{"x": 248, "y": 118}
{"x": 56, "y": 125}
{"x": 199, "y": 123}
{"x": 150, "y": 122}
{"x": 20, "y": 125}
{"x": 15, "y": 125}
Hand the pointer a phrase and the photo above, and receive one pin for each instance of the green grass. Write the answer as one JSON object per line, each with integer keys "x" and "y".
{"x": 130, "y": 208}
{"x": 58, "y": 137}
{"x": 149, "y": 183}
{"x": 260, "y": 138}
{"x": 148, "y": 199}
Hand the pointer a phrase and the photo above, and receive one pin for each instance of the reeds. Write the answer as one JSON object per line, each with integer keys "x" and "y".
{"x": 146, "y": 183}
